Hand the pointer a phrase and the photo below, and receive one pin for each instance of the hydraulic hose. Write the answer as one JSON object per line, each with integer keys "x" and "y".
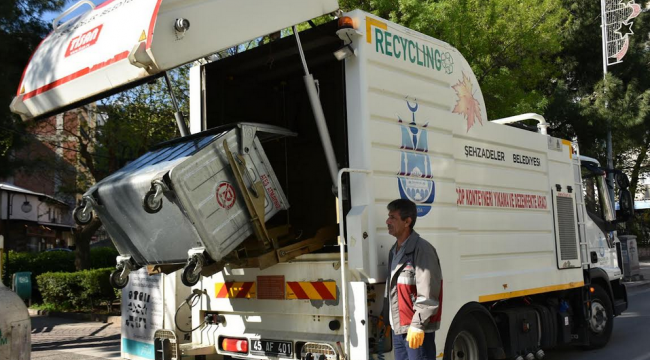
{"x": 191, "y": 301}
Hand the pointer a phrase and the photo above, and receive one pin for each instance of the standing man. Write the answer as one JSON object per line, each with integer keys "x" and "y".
{"x": 413, "y": 302}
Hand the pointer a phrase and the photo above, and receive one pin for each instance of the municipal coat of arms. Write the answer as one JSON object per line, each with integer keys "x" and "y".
{"x": 415, "y": 178}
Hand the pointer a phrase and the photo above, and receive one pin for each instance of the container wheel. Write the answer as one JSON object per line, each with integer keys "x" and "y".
{"x": 117, "y": 281}
{"x": 82, "y": 217}
{"x": 149, "y": 202}
{"x": 465, "y": 340}
{"x": 188, "y": 278}
{"x": 601, "y": 321}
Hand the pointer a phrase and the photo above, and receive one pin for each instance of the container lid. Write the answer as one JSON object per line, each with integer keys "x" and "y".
{"x": 122, "y": 43}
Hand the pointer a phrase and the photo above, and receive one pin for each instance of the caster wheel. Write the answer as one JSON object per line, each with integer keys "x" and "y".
{"x": 116, "y": 281}
{"x": 81, "y": 217}
{"x": 188, "y": 278}
{"x": 149, "y": 202}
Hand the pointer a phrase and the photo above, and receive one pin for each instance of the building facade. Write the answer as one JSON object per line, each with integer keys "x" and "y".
{"x": 32, "y": 221}
{"x": 36, "y": 203}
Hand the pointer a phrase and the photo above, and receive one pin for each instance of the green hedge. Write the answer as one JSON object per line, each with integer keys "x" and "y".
{"x": 80, "y": 290}
{"x": 56, "y": 261}
{"x": 53, "y": 261}
{"x": 103, "y": 257}
{"x": 39, "y": 263}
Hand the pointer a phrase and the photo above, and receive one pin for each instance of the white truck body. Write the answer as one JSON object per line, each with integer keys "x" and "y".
{"x": 486, "y": 195}
{"x": 503, "y": 206}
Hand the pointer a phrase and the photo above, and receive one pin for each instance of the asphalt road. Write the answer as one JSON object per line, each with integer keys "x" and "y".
{"x": 629, "y": 339}
{"x": 64, "y": 339}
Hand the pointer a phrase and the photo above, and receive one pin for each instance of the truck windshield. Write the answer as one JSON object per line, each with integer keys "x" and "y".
{"x": 597, "y": 198}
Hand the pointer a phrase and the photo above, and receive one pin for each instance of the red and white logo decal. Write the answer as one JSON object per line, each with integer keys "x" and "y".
{"x": 226, "y": 195}
{"x": 83, "y": 41}
{"x": 269, "y": 190}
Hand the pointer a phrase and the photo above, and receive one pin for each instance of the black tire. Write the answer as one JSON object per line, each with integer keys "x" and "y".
{"x": 116, "y": 281}
{"x": 465, "y": 340}
{"x": 601, "y": 323}
{"x": 187, "y": 278}
{"x": 80, "y": 218}
{"x": 149, "y": 204}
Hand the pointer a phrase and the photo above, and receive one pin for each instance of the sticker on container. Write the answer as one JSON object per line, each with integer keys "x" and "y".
{"x": 83, "y": 41}
{"x": 269, "y": 190}
{"x": 226, "y": 195}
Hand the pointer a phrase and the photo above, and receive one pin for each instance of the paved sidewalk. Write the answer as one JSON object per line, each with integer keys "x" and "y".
{"x": 61, "y": 338}
{"x": 644, "y": 279}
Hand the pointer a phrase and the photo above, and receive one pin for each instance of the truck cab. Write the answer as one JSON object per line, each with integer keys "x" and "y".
{"x": 600, "y": 223}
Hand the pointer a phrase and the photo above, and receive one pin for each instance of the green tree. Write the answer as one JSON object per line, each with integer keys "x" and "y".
{"x": 511, "y": 45}
{"x": 21, "y": 30}
{"x": 623, "y": 107}
{"x": 583, "y": 105}
{"x": 135, "y": 120}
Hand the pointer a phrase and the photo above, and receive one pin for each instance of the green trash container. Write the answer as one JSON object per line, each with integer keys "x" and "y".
{"x": 22, "y": 284}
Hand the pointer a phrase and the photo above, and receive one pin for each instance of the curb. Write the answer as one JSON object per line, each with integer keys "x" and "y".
{"x": 635, "y": 284}
{"x": 104, "y": 318}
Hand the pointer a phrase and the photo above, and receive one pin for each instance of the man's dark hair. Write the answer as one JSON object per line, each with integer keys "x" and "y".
{"x": 406, "y": 208}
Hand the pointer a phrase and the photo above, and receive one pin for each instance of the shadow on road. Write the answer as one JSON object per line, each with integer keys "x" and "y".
{"x": 80, "y": 342}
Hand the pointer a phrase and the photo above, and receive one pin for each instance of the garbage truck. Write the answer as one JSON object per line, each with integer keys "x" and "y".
{"x": 363, "y": 111}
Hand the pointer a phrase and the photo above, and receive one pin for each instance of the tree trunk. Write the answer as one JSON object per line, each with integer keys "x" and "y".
{"x": 634, "y": 181}
{"x": 82, "y": 236}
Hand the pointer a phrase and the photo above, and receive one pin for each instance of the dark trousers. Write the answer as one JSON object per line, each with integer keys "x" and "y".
{"x": 425, "y": 352}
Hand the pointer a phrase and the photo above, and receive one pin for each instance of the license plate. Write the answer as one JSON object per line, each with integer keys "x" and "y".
{"x": 272, "y": 347}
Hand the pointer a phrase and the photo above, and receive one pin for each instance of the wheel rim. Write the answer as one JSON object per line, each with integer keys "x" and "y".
{"x": 82, "y": 216}
{"x": 118, "y": 281}
{"x": 152, "y": 203}
{"x": 465, "y": 347}
{"x": 598, "y": 320}
{"x": 192, "y": 279}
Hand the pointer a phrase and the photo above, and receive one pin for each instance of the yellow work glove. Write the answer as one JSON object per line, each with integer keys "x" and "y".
{"x": 415, "y": 337}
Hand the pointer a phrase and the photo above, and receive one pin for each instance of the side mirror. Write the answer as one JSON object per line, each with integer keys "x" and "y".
{"x": 626, "y": 205}
{"x": 622, "y": 180}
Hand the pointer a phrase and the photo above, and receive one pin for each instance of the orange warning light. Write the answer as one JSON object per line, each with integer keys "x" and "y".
{"x": 346, "y": 22}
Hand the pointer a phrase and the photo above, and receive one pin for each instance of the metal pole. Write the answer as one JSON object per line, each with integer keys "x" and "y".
{"x": 608, "y": 143}
{"x": 2, "y": 263}
{"x": 603, "y": 30}
{"x": 6, "y": 262}
{"x": 319, "y": 116}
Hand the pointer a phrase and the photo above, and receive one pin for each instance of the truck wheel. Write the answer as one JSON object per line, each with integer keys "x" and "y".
{"x": 465, "y": 340}
{"x": 117, "y": 281}
{"x": 601, "y": 321}
{"x": 150, "y": 204}
{"x": 188, "y": 278}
